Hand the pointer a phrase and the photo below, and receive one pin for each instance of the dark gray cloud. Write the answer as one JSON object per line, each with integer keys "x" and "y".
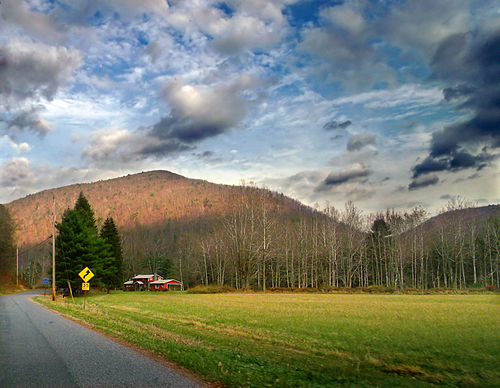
{"x": 30, "y": 71}
{"x": 331, "y": 125}
{"x": 187, "y": 129}
{"x": 158, "y": 148}
{"x": 423, "y": 181}
{"x": 336, "y": 137}
{"x": 28, "y": 119}
{"x": 457, "y": 160}
{"x": 455, "y": 92}
{"x": 208, "y": 157}
{"x": 430, "y": 164}
{"x": 471, "y": 64}
{"x": 336, "y": 178}
{"x": 357, "y": 142}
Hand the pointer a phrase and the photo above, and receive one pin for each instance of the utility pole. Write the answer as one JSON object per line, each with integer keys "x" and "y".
{"x": 17, "y": 266}
{"x": 54, "y": 252}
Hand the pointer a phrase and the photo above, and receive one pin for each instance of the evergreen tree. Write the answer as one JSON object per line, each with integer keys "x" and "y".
{"x": 72, "y": 246}
{"x": 7, "y": 248}
{"x": 109, "y": 233}
{"x": 83, "y": 207}
{"x": 78, "y": 245}
{"x": 165, "y": 267}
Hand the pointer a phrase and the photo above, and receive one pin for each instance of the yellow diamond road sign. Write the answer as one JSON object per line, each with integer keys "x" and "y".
{"x": 86, "y": 274}
{"x": 85, "y": 286}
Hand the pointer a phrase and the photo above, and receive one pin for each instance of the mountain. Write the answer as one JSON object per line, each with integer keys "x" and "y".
{"x": 141, "y": 200}
{"x": 205, "y": 233}
{"x": 467, "y": 216}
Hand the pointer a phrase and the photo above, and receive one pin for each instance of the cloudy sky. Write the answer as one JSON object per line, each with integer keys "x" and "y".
{"x": 390, "y": 104}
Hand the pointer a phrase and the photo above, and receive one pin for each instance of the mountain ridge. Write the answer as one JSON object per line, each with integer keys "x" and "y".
{"x": 145, "y": 198}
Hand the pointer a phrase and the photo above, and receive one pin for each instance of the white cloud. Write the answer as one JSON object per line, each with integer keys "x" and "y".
{"x": 114, "y": 148}
{"x": 253, "y": 24}
{"x": 245, "y": 32}
{"x": 424, "y": 24}
{"x": 21, "y": 148}
{"x": 38, "y": 25}
{"x": 84, "y": 109}
{"x": 220, "y": 105}
{"x": 409, "y": 95}
{"x": 345, "y": 17}
{"x": 15, "y": 172}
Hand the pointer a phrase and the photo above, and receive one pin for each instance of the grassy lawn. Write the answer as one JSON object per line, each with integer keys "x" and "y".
{"x": 309, "y": 340}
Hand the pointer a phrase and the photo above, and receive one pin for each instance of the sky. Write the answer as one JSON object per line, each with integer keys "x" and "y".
{"x": 389, "y": 104}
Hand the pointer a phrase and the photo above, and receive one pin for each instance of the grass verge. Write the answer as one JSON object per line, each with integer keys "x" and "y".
{"x": 311, "y": 340}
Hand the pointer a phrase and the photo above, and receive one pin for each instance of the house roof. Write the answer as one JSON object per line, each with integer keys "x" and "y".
{"x": 145, "y": 276}
{"x": 129, "y": 282}
{"x": 173, "y": 281}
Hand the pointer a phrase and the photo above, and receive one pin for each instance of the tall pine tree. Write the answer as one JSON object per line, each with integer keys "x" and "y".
{"x": 82, "y": 206}
{"x": 110, "y": 235}
{"x": 78, "y": 245}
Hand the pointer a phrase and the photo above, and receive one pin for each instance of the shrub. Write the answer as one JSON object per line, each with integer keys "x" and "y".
{"x": 210, "y": 289}
{"x": 379, "y": 290}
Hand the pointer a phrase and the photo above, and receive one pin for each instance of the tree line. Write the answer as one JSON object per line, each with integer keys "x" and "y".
{"x": 257, "y": 246}
{"x": 261, "y": 242}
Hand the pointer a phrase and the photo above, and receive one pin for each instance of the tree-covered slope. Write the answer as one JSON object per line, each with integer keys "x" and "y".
{"x": 144, "y": 199}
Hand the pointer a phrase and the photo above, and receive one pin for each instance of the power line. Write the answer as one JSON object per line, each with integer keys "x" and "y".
{"x": 35, "y": 246}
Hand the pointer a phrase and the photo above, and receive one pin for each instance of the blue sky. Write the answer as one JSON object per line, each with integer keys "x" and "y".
{"x": 390, "y": 104}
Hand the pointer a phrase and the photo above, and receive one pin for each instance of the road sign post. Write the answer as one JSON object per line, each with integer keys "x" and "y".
{"x": 86, "y": 274}
{"x": 71, "y": 292}
{"x": 85, "y": 288}
{"x": 45, "y": 282}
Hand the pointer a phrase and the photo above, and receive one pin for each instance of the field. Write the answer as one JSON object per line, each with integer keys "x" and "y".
{"x": 309, "y": 340}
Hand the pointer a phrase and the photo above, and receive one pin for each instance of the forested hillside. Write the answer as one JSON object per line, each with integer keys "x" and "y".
{"x": 203, "y": 233}
{"x": 153, "y": 211}
{"x": 144, "y": 199}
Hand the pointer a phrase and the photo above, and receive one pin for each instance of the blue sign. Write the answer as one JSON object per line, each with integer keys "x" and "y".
{"x": 46, "y": 281}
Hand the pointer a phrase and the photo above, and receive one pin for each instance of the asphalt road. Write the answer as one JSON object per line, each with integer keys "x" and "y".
{"x": 41, "y": 349}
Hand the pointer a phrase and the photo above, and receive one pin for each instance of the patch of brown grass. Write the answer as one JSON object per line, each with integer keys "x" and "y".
{"x": 8, "y": 284}
{"x": 413, "y": 371}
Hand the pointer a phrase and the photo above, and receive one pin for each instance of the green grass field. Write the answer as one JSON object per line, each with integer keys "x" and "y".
{"x": 309, "y": 340}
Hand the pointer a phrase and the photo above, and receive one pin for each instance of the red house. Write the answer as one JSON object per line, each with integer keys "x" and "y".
{"x": 166, "y": 285}
{"x": 141, "y": 282}
{"x": 129, "y": 285}
{"x": 144, "y": 281}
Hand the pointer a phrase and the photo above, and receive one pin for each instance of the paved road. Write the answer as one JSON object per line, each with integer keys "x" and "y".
{"x": 41, "y": 349}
